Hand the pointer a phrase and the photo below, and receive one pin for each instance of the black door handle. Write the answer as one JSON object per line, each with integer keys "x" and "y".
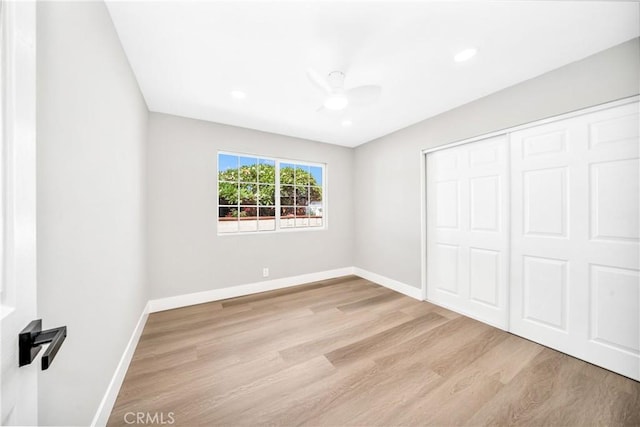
{"x": 32, "y": 338}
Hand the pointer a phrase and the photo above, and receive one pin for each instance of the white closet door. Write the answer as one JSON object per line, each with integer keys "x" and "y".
{"x": 467, "y": 229}
{"x": 575, "y": 237}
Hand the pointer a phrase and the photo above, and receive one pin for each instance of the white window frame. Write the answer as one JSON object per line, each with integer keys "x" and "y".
{"x": 277, "y": 161}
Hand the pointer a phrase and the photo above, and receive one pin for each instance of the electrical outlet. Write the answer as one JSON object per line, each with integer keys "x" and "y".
{"x": 265, "y": 272}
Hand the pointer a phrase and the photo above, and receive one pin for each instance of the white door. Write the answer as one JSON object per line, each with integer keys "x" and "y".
{"x": 18, "y": 387}
{"x": 467, "y": 229}
{"x": 575, "y": 237}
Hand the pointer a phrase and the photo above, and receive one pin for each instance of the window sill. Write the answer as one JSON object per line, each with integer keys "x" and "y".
{"x": 283, "y": 230}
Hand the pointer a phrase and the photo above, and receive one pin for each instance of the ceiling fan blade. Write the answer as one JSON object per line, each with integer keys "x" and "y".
{"x": 363, "y": 95}
{"x": 318, "y": 80}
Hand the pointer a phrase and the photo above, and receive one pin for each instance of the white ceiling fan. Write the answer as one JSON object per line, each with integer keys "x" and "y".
{"x": 337, "y": 97}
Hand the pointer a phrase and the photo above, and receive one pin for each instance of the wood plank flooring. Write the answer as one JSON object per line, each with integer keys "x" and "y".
{"x": 349, "y": 352}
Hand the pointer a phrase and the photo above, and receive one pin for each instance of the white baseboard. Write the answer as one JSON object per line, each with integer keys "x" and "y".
{"x": 178, "y": 301}
{"x": 185, "y": 300}
{"x": 106, "y": 405}
{"x": 392, "y": 284}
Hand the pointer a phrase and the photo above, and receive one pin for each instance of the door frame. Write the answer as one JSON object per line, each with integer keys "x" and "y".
{"x": 18, "y": 267}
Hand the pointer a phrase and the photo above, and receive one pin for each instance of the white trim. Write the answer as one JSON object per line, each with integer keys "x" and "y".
{"x": 184, "y": 300}
{"x": 552, "y": 119}
{"x": 387, "y": 282}
{"x": 423, "y": 227}
{"x": 282, "y": 230}
{"x": 18, "y": 245}
{"x": 106, "y": 405}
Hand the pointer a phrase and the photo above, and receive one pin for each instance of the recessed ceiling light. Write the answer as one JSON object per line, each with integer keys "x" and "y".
{"x": 238, "y": 94}
{"x": 465, "y": 54}
{"x": 336, "y": 102}
{"x": 347, "y": 123}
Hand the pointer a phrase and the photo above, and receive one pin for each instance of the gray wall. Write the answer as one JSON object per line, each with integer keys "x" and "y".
{"x": 91, "y": 133}
{"x": 387, "y": 170}
{"x": 185, "y": 254}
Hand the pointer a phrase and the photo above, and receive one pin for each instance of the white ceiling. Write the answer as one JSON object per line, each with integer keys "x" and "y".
{"x": 189, "y": 56}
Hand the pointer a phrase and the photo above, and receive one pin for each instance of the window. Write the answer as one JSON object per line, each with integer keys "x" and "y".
{"x": 262, "y": 194}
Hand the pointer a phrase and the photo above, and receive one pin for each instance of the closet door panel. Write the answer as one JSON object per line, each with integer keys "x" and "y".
{"x": 467, "y": 235}
{"x": 614, "y": 199}
{"x": 615, "y": 320}
{"x": 444, "y": 212}
{"x": 541, "y": 274}
{"x": 484, "y": 276}
{"x": 612, "y": 241}
{"x": 575, "y": 234}
{"x": 544, "y": 194}
{"x": 544, "y": 282}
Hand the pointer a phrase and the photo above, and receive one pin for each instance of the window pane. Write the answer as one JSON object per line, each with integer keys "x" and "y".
{"x": 268, "y": 224}
{"x": 287, "y": 217}
{"x": 227, "y": 167}
{"x": 287, "y": 211}
{"x": 267, "y": 195}
{"x": 248, "y": 212}
{"x": 315, "y": 221}
{"x": 248, "y": 169}
{"x": 228, "y": 226}
{"x": 267, "y": 219}
{"x": 248, "y": 225}
{"x": 287, "y": 194}
{"x": 266, "y": 171}
{"x": 227, "y": 193}
{"x": 286, "y": 173}
{"x": 302, "y": 196}
{"x": 315, "y": 194}
{"x": 248, "y": 194}
{"x": 316, "y": 175}
{"x": 302, "y": 221}
{"x": 287, "y": 191}
{"x": 315, "y": 209}
{"x": 269, "y": 211}
{"x": 227, "y": 161}
{"x": 228, "y": 212}
{"x": 302, "y": 174}
{"x": 287, "y": 222}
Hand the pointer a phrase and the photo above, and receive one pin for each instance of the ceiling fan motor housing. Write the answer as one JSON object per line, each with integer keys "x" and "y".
{"x": 336, "y": 79}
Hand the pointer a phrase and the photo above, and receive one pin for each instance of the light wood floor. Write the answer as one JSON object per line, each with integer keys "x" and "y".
{"x": 348, "y": 352}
